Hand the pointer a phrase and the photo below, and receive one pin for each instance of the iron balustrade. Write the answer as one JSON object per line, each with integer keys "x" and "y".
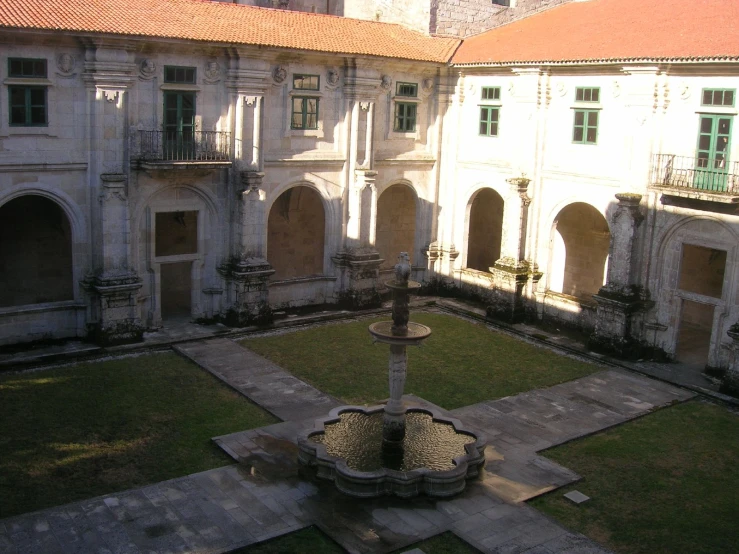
{"x": 716, "y": 175}
{"x": 184, "y": 146}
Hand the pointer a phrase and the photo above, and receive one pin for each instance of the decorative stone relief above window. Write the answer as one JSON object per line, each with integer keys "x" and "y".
{"x": 684, "y": 89}
{"x": 279, "y": 74}
{"x": 332, "y": 77}
{"x": 212, "y": 72}
{"x": 561, "y": 89}
{"x": 147, "y": 69}
{"x": 65, "y": 64}
{"x": 427, "y": 85}
{"x": 387, "y": 82}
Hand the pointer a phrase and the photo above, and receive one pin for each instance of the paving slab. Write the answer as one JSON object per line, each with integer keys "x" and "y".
{"x": 260, "y": 380}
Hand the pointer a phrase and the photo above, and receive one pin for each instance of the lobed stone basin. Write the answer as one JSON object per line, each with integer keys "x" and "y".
{"x": 437, "y": 458}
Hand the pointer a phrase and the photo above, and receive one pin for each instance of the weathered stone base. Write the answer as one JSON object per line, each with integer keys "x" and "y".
{"x": 247, "y": 292}
{"x": 117, "y": 320}
{"x": 612, "y": 334}
{"x": 360, "y": 271}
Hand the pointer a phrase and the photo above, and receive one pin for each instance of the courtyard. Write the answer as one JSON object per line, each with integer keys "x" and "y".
{"x": 120, "y": 457}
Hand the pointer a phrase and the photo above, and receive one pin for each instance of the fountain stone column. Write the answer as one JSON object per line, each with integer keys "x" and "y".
{"x": 399, "y": 334}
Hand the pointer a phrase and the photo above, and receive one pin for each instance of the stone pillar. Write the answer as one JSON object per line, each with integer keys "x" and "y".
{"x": 247, "y": 272}
{"x": 393, "y": 429}
{"x": 113, "y": 283}
{"x": 359, "y": 266}
{"x": 731, "y": 379}
{"x": 620, "y": 297}
{"x": 512, "y": 272}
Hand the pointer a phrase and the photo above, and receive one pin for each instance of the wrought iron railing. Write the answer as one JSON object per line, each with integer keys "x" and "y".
{"x": 184, "y": 146}
{"x": 700, "y": 174}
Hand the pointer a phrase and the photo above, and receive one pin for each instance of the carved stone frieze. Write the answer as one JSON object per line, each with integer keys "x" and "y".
{"x": 212, "y": 72}
{"x": 279, "y": 74}
{"x": 65, "y": 64}
{"x": 147, "y": 69}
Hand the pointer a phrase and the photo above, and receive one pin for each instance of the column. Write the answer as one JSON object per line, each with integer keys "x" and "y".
{"x": 513, "y": 272}
{"x": 731, "y": 379}
{"x": 620, "y": 298}
{"x": 247, "y": 273}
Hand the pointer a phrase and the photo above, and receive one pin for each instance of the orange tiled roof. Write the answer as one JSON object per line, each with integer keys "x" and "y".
{"x": 218, "y": 22}
{"x": 612, "y": 30}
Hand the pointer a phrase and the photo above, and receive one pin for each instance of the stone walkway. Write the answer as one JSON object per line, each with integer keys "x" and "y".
{"x": 264, "y": 496}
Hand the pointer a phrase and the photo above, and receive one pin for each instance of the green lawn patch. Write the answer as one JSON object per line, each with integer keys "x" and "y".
{"x": 459, "y": 364}
{"x": 666, "y": 483}
{"x": 95, "y": 428}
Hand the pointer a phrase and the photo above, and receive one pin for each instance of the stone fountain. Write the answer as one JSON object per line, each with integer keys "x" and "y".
{"x": 393, "y": 449}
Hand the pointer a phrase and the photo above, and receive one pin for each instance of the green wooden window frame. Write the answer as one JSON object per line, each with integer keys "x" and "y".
{"x": 27, "y": 106}
{"x": 587, "y": 94}
{"x": 34, "y": 68}
{"x": 180, "y": 74}
{"x": 585, "y": 129}
{"x": 724, "y": 97}
{"x": 306, "y": 82}
{"x": 304, "y": 112}
{"x": 405, "y": 117}
{"x": 489, "y": 120}
{"x": 491, "y": 93}
{"x": 408, "y": 90}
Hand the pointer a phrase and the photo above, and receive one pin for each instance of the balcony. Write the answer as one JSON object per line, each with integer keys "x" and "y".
{"x": 184, "y": 149}
{"x": 712, "y": 180}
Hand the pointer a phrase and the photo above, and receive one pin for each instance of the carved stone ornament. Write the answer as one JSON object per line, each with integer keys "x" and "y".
{"x": 65, "y": 63}
{"x": 279, "y": 73}
{"x": 147, "y": 69}
{"x": 427, "y": 85}
{"x": 250, "y": 100}
{"x": 386, "y": 82}
{"x": 111, "y": 96}
{"x": 616, "y": 89}
{"x": 212, "y": 72}
{"x": 332, "y": 78}
{"x": 684, "y": 90}
{"x": 561, "y": 89}
{"x": 364, "y": 106}
{"x": 471, "y": 88}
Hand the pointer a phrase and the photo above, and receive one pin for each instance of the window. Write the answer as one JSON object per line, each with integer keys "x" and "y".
{"x": 180, "y": 75}
{"x": 305, "y": 108}
{"x": 409, "y": 90}
{"x": 179, "y": 126}
{"x": 585, "y": 129}
{"x": 489, "y": 120}
{"x": 305, "y": 113}
{"x": 491, "y": 93}
{"x": 306, "y": 82}
{"x": 587, "y": 94}
{"x": 28, "y": 103}
{"x": 490, "y": 114}
{"x": 718, "y": 97}
{"x": 405, "y": 117}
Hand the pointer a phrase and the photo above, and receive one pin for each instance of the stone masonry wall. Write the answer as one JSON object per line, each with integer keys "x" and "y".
{"x": 462, "y": 18}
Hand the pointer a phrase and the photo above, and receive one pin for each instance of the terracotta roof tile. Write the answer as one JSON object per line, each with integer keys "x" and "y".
{"x": 202, "y": 20}
{"x": 612, "y": 30}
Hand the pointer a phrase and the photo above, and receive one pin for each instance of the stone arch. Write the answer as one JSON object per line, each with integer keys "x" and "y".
{"x": 396, "y": 222}
{"x": 36, "y": 251}
{"x": 579, "y": 250}
{"x": 296, "y": 232}
{"x": 484, "y": 229}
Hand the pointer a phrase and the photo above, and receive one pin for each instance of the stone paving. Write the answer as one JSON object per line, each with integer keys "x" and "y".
{"x": 265, "y": 496}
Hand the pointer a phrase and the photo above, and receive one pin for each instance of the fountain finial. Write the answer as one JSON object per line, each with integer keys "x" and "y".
{"x": 403, "y": 269}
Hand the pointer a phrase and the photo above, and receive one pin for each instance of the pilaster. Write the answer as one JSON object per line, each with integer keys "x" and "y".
{"x": 620, "y": 297}
{"x": 247, "y": 272}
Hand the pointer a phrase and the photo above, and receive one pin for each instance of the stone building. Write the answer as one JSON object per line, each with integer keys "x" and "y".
{"x": 208, "y": 160}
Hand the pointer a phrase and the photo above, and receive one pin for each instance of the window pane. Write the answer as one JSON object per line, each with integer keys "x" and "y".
{"x": 723, "y": 126}
{"x": 17, "y": 96}
{"x": 706, "y": 124}
{"x": 38, "y": 96}
{"x": 593, "y": 118}
{"x": 494, "y": 115}
{"x": 704, "y": 142}
{"x": 591, "y": 134}
{"x": 579, "y": 94}
{"x": 707, "y": 97}
{"x": 312, "y": 105}
{"x": 721, "y": 144}
{"x": 596, "y": 95}
{"x": 579, "y": 118}
{"x": 577, "y": 135}
{"x": 718, "y": 97}
{"x": 494, "y": 129}
{"x": 483, "y": 127}
{"x": 729, "y": 98}
{"x": 16, "y": 68}
{"x": 18, "y": 116}
{"x": 311, "y": 123}
{"x": 297, "y": 122}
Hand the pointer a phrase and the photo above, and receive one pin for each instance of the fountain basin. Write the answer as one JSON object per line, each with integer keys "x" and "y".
{"x": 439, "y": 455}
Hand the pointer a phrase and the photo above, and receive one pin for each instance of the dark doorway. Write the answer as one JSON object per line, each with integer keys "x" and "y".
{"x": 176, "y": 287}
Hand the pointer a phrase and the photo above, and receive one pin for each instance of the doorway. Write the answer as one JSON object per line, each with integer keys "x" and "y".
{"x": 694, "y": 336}
{"x": 176, "y": 290}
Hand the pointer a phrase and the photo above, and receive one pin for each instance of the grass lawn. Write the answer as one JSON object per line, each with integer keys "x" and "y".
{"x": 666, "y": 483}
{"x": 95, "y": 428}
{"x": 312, "y": 539}
{"x": 459, "y": 364}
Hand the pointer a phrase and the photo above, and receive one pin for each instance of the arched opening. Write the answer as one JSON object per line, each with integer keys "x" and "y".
{"x": 295, "y": 234}
{"x": 396, "y": 224}
{"x": 35, "y": 252}
{"x": 579, "y": 251}
{"x": 485, "y": 229}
